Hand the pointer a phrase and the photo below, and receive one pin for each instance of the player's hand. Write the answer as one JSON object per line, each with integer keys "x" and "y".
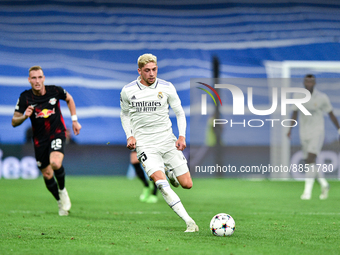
{"x": 76, "y": 127}
{"x": 29, "y": 111}
{"x": 131, "y": 143}
{"x": 180, "y": 143}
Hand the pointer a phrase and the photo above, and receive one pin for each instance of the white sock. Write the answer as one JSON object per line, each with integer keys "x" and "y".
{"x": 323, "y": 182}
{"x": 309, "y": 182}
{"x": 173, "y": 200}
{"x": 309, "y": 179}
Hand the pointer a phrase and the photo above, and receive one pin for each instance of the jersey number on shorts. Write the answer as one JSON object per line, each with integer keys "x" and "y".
{"x": 142, "y": 157}
{"x": 56, "y": 144}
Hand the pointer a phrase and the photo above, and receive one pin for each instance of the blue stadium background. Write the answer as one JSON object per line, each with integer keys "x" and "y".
{"x": 90, "y": 48}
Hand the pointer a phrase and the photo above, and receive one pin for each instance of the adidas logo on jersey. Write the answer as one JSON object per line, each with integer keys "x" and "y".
{"x": 133, "y": 97}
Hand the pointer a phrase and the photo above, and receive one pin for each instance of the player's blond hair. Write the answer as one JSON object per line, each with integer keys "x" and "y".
{"x": 35, "y": 68}
{"x": 146, "y": 58}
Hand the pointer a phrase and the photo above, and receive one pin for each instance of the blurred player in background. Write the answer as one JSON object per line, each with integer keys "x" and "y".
{"x": 145, "y": 118}
{"x": 41, "y": 104}
{"x": 312, "y": 134}
{"x": 149, "y": 194}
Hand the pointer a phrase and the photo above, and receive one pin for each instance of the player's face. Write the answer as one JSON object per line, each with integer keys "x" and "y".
{"x": 148, "y": 73}
{"x": 37, "y": 78}
{"x": 309, "y": 83}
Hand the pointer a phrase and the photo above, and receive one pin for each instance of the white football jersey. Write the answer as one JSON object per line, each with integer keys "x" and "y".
{"x": 313, "y": 125}
{"x": 145, "y": 111}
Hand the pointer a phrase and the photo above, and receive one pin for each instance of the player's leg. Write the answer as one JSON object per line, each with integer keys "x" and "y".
{"x": 173, "y": 200}
{"x": 138, "y": 169}
{"x": 52, "y": 186}
{"x": 56, "y": 162}
{"x": 314, "y": 148}
{"x": 172, "y": 177}
{"x": 153, "y": 197}
{"x": 50, "y": 182}
{"x": 183, "y": 176}
{"x": 153, "y": 163}
{"x": 153, "y": 194}
{"x": 324, "y": 185}
{"x": 141, "y": 175}
{"x": 309, "y": 176}
{"x": 319, "y": 174}
{"x": 175, "y": 159}
{"x": 43, "y": 163}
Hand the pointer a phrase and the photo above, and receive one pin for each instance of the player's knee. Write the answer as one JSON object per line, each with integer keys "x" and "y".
{"x": 187, "y": 184}
{"x": 47, "y": 172}
{"x": 55, "y": 164}
{"x": 311, "y": 158}
{"x": 47, "y": 175}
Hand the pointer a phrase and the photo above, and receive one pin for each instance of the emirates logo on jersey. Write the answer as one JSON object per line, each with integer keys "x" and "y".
{"x": 45, "y": 113}
{"x": 146, "y": 106}
{"x": 53, "y": 101}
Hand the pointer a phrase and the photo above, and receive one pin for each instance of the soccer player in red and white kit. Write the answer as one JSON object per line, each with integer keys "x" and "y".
{"x": 145, "y": 118}
{"x": 41, "y": 104}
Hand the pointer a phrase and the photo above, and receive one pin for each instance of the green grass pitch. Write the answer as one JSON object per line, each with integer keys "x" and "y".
{"x": 107, "y": 218}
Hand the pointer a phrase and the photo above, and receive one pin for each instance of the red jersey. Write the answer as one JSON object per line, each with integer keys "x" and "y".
{"x": 47, "y": 120}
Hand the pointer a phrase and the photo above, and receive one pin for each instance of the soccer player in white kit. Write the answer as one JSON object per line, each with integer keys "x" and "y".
{"x": 312, "y": 134}
{"x": 145, "y": 119}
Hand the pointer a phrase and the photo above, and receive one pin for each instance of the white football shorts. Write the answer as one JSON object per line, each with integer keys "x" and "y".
{"x": 312, "y": 145}
{"x": 162, "y": 157}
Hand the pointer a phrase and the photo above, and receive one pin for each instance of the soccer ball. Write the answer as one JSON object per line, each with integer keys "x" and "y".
{"x": 222, "y": 224}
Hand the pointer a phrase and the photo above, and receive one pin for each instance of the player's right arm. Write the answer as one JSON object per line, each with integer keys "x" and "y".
{"x": 19, "y": 118}
{"x": 294, "y": 118}
{"x": 125, "y": 119}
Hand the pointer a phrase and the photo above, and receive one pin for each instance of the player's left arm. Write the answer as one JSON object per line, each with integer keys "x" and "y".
{"x": 176, "y": 106}
{"x": 293, "y": 118}
{"x": 180, "y": 143}
{"x": 181, "y": 124}
{"x": 72, "y": 107}
{"x": 327, "y": 107}
{"x": 334, "y": 120}
{"x": 125, "y": 120}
